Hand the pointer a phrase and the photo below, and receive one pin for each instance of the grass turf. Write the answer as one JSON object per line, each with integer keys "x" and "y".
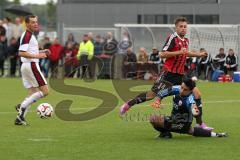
{"x": 110, "y": 137}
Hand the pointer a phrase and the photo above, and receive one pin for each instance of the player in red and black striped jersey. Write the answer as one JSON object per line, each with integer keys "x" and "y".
{"x": 175, "y": 51}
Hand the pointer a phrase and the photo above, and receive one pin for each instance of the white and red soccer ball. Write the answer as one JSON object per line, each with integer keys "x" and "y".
{"x": 45, "y": 110}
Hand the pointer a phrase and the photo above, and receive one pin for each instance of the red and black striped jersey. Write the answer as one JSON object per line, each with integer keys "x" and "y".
{"x": 175, "y": 64}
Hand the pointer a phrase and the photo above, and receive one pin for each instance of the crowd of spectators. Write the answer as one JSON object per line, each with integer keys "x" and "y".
{"x": 79, "y": 59}
{"x": 93, "y": 55}
{"x": 10, "y": 33}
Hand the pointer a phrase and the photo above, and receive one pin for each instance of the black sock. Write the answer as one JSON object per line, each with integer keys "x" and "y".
{"x": 139, "y": 99}
{"x": 199, "y": 132}
{"x": 199, "y": 105}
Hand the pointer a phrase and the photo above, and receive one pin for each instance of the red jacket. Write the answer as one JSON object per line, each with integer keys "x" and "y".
{"x": 70, "y": 57}
{"x": 56, "y": 52}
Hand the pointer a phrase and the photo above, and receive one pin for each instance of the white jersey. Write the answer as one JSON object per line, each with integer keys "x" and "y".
{"x": 29, "y": 43}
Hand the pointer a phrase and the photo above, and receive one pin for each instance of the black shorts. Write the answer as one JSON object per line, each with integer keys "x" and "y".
{"x": 173, "y": 78}
{"x": 170, "y": 126}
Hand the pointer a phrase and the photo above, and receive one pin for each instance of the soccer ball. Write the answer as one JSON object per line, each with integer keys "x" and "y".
{"x": 45, "y": 110}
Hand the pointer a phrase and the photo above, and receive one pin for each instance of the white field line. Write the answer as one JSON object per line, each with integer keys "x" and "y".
{"x": 163, "y": 104}
{"x": 42, "y": 140}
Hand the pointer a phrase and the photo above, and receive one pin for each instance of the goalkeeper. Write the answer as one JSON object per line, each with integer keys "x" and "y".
{"x": 183, "y": 111}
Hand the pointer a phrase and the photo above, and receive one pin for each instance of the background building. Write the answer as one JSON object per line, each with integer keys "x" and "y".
{"x": 105, "y": 13}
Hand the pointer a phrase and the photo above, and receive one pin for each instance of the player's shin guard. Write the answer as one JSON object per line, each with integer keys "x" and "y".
{"x": 199, "y": 117}
{"x": 199, "y": 132}
{"x": 139, "y": 99}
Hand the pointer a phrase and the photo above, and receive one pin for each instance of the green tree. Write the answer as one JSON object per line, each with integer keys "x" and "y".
{"x": 16, "y": 2}
{"x": 3, "y": 4}
{"x": 51, "y": 14}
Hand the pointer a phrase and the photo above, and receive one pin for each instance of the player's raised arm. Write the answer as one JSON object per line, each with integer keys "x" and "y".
{"x": 167, "y": 54}
{"x": 195, "y": 53}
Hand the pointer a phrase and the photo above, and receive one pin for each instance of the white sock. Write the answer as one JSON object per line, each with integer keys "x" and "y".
{"x": 213, "y": 134}
{"x": 31, "y": 99}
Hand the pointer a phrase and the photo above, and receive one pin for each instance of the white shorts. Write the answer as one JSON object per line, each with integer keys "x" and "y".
{"x": 31, "y": 75}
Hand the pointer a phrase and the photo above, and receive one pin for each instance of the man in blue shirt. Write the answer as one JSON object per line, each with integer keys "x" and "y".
{"x": 183, "y": 111}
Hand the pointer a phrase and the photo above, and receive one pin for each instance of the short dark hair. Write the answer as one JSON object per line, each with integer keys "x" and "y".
{"x": 189, "y": 83}
{"x": 180, "y": 19}
{"x": 27, "y": 18}
{"x": 8, "y": 19}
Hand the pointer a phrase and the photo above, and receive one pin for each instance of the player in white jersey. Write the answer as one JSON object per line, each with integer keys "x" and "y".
{"x": 32, "y": 77}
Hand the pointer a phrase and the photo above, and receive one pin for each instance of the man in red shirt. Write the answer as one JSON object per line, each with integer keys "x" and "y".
{"x": 56, "y": 54}
{"x": 175, "y": 51}
{"x": 71, "y": 61}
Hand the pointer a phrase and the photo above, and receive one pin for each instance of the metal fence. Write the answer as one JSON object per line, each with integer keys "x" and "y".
{"x": 210, "y": 37}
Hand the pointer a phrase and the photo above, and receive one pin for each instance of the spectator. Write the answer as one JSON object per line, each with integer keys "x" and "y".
{"x": 110, "y": 45}
{"x": 129, "y": 64}
{"x": 70, "y": 39}
{"x": 90, "y": 36}
{"x": 142, "y": 62}
{"x": 17, "y": 28}
{"x": 110, "y": 49}
{"x": 231, "y": 63}
{"x": 44, "y": 63}
{"x": 154, "y": 57}
{"x": 71, "y": 62}
{"x": 3, "y": 53}
{"x": 47, "y": 43}
{"x": 85, "y": 55}
{"x": 2, "y": 29}
{"x": 98, "y": 52}
{"x": 125, "y": 43}
{"x": 204, "y": 65}
{"x": 9, "y": 26}
{"x": 13, "y": 55}
{"x": 154, "y": 61}
{"x": 142, "y": 55}
{"x": 190, "y": 67}
{"x": 220, "y": 59}
{"x": 98, "y": 46}
{"x": 56, "y": 54}
{"x": 76, "y": 46}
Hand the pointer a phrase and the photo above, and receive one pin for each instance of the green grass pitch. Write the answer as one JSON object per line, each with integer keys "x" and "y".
{"x": 110, "y": 137}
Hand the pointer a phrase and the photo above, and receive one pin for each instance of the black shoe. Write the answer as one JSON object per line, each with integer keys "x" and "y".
{"x": 221, "y": 135}
{"x": 166, "y": 135}
{"x": 17, "y": 107}
{"x": 20, "y": 121}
